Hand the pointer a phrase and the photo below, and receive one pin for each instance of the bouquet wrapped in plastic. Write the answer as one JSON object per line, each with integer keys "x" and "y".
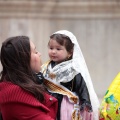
{"x": 110, "y": 106}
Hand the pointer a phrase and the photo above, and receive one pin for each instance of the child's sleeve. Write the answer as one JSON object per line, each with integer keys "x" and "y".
{"x": 82, "y": 92}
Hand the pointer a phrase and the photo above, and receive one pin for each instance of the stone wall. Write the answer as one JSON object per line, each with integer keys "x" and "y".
{"x": 96, "y": 25}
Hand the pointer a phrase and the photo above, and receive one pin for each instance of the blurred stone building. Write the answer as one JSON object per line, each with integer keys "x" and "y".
{"x": 95, "y": 23}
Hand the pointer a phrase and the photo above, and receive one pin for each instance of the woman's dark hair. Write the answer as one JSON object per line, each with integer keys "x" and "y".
{"x": 64, "y": 41}
{"x": 15, "y": 59}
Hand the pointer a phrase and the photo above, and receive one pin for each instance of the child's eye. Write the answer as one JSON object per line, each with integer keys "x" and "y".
{"x": 51, "y": 48}
{"x": 58, "y": 49}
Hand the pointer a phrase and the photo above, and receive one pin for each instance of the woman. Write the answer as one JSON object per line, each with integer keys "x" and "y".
{"x": 21, "y": 96}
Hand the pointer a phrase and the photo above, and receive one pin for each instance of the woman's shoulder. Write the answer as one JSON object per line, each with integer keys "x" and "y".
{"x": 7, "y": 86}
{"x": 10, "y": 92}
{"x": 14, "y": 97}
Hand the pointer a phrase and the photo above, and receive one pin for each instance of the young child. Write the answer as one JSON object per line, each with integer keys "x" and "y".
{"x": 68, "y": 79}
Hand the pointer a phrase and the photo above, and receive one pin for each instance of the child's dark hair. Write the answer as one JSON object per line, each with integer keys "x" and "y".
{"x": 64, "y": 41}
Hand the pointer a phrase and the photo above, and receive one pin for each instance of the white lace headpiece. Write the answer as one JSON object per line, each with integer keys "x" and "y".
{"x": 80, "y": 66}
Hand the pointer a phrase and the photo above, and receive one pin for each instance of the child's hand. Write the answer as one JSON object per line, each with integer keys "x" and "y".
{"x": 86, "y": 111}
{"x": 87, "y": 115}
{"x": 85, "y": 107}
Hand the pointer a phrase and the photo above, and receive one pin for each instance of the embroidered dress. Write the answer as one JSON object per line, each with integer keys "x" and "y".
{"x": 65, "y": 72}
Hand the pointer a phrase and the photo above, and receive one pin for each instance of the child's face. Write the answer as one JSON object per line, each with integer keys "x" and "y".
{"x": 35, "y": 62}
{"x": 57, "y": 52}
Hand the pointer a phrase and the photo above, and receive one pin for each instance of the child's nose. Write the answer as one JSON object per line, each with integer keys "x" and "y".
{"x": 53, "y": 51}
